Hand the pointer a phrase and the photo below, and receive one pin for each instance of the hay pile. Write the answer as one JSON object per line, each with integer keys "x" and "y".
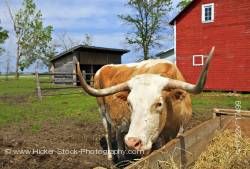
{"x": 222, "y": 153}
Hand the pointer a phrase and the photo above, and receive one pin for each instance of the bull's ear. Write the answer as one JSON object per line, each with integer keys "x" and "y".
{"x": 178, "y": 94}
{"x": 122, "y": 96}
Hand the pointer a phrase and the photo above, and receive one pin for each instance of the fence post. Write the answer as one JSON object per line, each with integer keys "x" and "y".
{"x": 52, "y": 70}
{"x": 74, "y": 77}
{"x": 38, "y": 88}
{"x": 84, "y": 75}
{"x": 75, "y": 60}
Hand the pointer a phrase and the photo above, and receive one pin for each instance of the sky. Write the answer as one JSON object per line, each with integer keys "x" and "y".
{"x": 98, "y": 18}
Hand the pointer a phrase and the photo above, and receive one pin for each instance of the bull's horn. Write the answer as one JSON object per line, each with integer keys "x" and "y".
{"x": 98, "y": 92}
{"x": 196, "y": 89}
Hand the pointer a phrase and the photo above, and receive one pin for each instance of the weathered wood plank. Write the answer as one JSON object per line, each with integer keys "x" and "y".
{"x": 232, "y": 112}
{"x": 62, "y": 88}
{"x": 185, "y": 149}
{"x": 46, "y": 74}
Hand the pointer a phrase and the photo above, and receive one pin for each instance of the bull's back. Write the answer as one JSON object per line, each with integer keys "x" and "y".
{"x": 111, "y": 75}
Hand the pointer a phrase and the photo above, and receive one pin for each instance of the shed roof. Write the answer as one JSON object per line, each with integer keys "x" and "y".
{"x": 181, "y": 12}
{"x": 89, "y": 48}
{"x": 168, "y": 51}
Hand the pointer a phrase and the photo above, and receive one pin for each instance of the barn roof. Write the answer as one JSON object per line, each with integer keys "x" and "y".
{"x": 182, "y": 12}
{"x": 89, "y": 48}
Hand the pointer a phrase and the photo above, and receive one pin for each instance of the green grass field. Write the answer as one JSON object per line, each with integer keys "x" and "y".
{"x": 18, "y": 103}
{"x": 204, "y": 103}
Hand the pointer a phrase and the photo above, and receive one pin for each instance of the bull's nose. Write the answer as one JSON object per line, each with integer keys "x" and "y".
{"x": 134, "y": 143}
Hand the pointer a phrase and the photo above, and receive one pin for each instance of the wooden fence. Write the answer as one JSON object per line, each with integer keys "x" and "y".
{"x": 66, "y": 78}
{"x": 185, "y": 149}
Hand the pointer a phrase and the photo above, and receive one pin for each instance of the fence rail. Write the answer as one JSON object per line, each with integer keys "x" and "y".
{"x": 46, "y": 74}
{"x": 57, "y": 78}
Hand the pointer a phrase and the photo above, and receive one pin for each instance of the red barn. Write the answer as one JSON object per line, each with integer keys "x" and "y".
{"x": 224, "y": 24}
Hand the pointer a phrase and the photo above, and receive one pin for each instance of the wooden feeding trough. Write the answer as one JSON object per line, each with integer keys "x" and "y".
{"x": 185, "y": 149}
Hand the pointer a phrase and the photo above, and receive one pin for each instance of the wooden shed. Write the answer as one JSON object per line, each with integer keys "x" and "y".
{"x": 91, "y": 59}
{"x": 224, "y": 24}
{"x": 167, "y": 54}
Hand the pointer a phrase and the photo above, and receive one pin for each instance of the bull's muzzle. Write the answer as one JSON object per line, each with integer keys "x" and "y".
{"x": 133, "y": 143}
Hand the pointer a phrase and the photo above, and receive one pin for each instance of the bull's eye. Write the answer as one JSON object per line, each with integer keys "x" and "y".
{"x": 158, "y": 105}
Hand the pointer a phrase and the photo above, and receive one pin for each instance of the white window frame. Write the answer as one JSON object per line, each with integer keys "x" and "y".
{"x": 203, "y": 13}
{"x": 202, "y": 60}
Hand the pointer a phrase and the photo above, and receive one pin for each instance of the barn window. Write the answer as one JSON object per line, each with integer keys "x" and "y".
{"x": 198, "y": 60}
{"x": 207, "y": 13}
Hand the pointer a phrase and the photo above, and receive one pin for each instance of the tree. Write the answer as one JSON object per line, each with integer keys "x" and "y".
{"x": 146, "y": 21}
{"x": 64, "y": 41}
{"x": 32, "y": 38}
{"x": 7, "y": 65}
{"x": 88, "y": 39}
{"x": 49, "y": 53}
{"x": 183, "y": 3}
{"x": 3, "y": 37}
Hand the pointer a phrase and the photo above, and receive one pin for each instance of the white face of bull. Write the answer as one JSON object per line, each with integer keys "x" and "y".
{"x": 147, "y": 110}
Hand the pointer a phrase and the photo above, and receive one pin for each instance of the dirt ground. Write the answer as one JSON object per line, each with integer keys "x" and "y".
{"x": 63, "y": 145}
{"x": 61, "y": 137}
